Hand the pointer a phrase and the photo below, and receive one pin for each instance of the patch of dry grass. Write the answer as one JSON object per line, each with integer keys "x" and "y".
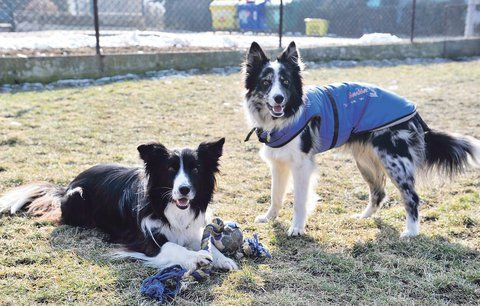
{"x": 53, "y": 135}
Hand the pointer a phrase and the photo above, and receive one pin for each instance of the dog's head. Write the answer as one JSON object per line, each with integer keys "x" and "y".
{"x": 184, "y": 178}
{"x": 274, "y": 87}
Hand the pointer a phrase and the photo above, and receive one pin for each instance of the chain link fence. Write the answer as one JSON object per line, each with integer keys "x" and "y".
{"x": 125, "y": 26}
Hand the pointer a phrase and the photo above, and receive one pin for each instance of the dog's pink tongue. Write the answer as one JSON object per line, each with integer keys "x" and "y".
{"x": 182, "y": 201}
{"x": 277, "y": 108}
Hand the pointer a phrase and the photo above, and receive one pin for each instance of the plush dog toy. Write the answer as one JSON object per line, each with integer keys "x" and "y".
{"x": 227, "y": 237}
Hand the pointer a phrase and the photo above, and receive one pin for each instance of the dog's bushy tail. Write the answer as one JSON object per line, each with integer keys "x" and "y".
{"x": 451, "y": 154}
{"x": 41, "y": 200}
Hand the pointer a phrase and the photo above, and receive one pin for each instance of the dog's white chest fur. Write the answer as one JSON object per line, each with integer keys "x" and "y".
{"x": 184, "y": 229}
{"x": 289, "y": 153}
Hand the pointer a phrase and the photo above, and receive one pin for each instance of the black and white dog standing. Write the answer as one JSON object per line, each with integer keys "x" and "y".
{"x": 157, "y": 212}
{"x": 275, "y": 99}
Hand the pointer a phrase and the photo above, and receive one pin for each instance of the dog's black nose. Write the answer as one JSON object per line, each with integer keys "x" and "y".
{"x": 184, "y": 190}
{"x": 278, "y": 99}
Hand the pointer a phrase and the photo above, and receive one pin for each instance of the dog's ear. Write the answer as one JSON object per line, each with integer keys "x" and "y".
{"x": 209, "y": 153}
{"x": 254, "y": 62}
{"x": 290, "y": 55}
{"x": 255, "y": 55}
{"x": 153, "y": 152}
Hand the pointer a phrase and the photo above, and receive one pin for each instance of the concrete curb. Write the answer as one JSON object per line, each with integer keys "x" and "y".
{"x": 15, "y": 70}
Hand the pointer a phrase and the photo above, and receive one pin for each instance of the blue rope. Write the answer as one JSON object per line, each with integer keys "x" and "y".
{"x": 257, "y": 249}
{"x": 156, "y": 286}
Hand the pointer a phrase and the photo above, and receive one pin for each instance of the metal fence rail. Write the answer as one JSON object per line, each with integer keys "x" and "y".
{"x": 117, "y": 24}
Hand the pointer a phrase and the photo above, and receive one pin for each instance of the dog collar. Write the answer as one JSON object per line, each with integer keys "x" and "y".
{"x": 262, "y": 135}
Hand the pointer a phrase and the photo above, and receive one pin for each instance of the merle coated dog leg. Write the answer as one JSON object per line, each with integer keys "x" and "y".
{"x": 395, "y": 152}
{"x": 403, "y": 177}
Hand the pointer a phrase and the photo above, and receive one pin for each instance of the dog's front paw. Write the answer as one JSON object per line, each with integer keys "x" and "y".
{"x": 197, "y": 259}
{"x": 264, "y": 218}
{"x": 408, "y": 234}
{"x": 295, "y": 231}
{"x": 225, "y": 263}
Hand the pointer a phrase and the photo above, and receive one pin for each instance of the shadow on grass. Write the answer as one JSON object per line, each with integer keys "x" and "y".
{"x": 93, "y": 246}
{"x": 386, "y": 269}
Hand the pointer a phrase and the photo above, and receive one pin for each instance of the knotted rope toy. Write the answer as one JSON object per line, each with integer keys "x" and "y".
{"x": 227, "y": 237}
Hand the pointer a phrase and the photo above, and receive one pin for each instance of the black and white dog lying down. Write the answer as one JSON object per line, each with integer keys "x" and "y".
{"x": 382, "y": 130}
{"x": 157, "y": 212}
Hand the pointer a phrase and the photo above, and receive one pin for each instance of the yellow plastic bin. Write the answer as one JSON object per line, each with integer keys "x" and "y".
{"x": 316, "y": 26}
{"x": 224, "y": 15}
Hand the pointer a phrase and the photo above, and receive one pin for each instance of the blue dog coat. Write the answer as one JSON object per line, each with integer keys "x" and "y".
{"x": 344, "y": 109}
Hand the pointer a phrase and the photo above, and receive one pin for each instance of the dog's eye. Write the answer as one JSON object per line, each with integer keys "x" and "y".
{"x": 266, "y": 83}
{"x": 195, "y": 170}
{"x": 285, "y": 82}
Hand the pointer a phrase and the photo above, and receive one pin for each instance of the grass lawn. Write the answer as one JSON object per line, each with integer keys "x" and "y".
{"x": 53, "y": 135}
